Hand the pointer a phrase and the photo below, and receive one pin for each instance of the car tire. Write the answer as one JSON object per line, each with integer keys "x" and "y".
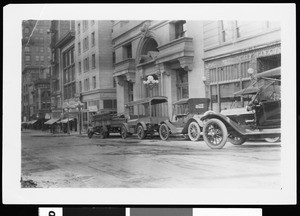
{"x": 215, "y": 133}
{"x": 273, "y": 139}
{"x": 164, "y": 132}
{"x": 90, "y": 134}
{"x": 124, "y": 133}
{"x": 140, "y": 132}
{"x": 235, "y": 140}
{"x": 194, "y": 131}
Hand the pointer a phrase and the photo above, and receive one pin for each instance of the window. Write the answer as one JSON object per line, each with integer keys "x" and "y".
{"x": 127, "y": 49}
{"x": 182, "y": 84}
{"x": 93, "y": 39}
{"x": 86, "y": 66}
{"x": 26, "y": 31}
{"x": 226, "y": 73}
{"x": 114, "y": 57}
{"x": 94, "y": 82}
{"x": 130, "y": 91}
{"x": 179, "y": 29}
{"x": 37, "y": 58}
{"x": 80, "y": 86}
{"x": 27, "y": 58}
{"x": 226, "y": 33}
{"x": 247, "y": 28}
{"x": 87, "y": 84}
{"x": 27, "y": 49}
{"x": 79, "y": 67}
{"x": 41, "y": 40}
{"x": 41, "y": 31}
{"x": 93, "y": 61}
{"x": 42, "y": 49}
{"x": 86, "y": 43}
{"x": 48, "y": 49}
{"x": 78, "y": 28}
{"x": 109, "y": 104}
{"x": 85, "y": 25}
{"x": 79, "y": 48}
{"x": 41, "y": 58}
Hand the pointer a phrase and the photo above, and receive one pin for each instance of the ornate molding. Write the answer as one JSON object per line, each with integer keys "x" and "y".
{"x": 162, "y": 68}
{"x": 186, "y": 63}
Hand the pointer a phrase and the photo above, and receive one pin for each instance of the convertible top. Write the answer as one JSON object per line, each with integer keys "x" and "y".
{"x": 246, "y": 91}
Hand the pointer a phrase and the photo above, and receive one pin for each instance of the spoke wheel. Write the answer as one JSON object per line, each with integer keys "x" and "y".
{"x": 273, "y": 139}
{"x": 90, "y": 134}
{"x": 140, "y": 132}
{"x": 194, "y": 131}
{"x": 235, "y": 140}
{"x": 164, "y": 132}
{"x": 215, "y": 133}
{"x": 124, "y": 133}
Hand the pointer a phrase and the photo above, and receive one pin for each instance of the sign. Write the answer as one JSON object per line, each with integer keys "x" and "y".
{"x": 199, "y": 106}
{"x": 93, "y": 109}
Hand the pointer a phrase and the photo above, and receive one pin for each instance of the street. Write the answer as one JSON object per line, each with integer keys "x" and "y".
{"x": 50, "y": 161}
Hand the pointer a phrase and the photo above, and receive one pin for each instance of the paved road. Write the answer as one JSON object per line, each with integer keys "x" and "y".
{"x": 115, "y": 163}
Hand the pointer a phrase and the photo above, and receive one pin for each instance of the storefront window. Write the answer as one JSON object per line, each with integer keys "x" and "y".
{"x": 182, "y": 84}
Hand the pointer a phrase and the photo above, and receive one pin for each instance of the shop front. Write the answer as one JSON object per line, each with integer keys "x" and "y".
{"x": 226, "y": 75}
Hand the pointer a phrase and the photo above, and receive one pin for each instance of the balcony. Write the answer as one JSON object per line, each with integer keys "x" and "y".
{"x": 125, "y": 68}
{"x": 181, "y": 50}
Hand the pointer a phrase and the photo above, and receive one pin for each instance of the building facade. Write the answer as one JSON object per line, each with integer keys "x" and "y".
{"x": 230, "y": 49}
{"x": 94, "y": 67}
{"x": 36, "y": 55}
{"x": 169, "y": 51}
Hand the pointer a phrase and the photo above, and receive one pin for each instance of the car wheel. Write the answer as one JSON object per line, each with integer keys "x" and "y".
{"x": 194, "y": 131}
{"x": 164, "y": 132}
{"x": 272, "y": 139}
{"x": 102, "y": 133}
{"x": 124, "y": 133}
{"x": 235, "y": 140}
{"x": 90, "y": 134}
{"x": 215, "y": 133}
{"x": 140, "y": 132}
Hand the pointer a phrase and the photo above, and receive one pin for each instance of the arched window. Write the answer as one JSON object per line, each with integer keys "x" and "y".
{"x": 149, "y": 50}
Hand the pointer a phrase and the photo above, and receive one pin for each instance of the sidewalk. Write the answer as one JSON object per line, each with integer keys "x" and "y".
{"x": 47, "y": 133}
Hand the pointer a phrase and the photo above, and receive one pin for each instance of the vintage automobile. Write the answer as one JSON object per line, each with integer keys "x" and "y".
{"x": 261, "y": 118}
{"x": 185, "y": 119}
{"x": 103, "y": 124}
{"x": 143, "y": 116}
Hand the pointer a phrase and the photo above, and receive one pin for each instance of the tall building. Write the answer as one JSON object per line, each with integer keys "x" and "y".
{"x": 94, "y": 67}
{"x": 231, "y": 47}
{"x": 170, "y": 51}
{"x": 35, "y": 71}
{"x": 63, "y": 85}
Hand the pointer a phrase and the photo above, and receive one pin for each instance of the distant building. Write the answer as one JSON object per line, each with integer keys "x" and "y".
{"x": 63, "y": 85}
{"x": 35, "y": 70}
{"x": 94, "y": 67}
{"x": 170, "y": 51}
{"x": 230, "y": 49}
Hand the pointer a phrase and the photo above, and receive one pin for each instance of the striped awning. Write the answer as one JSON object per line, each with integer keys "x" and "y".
{"x": 51, "y": 121}
{"x": 65, "y": 120}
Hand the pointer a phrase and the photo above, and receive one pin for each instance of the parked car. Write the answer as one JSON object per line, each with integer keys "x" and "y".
{"x": 261, "y": 118}
{"x": 105, "y": 123}
{"x": 144, "y": 116}
{"x": 185, "y": 119}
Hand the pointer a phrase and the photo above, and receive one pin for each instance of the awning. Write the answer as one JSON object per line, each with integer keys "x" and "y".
{"x": 65, "y": 120}
{"x": 246, "y": 91}
{"x": 32, "y": 122}
{"x": 51, "y": 121}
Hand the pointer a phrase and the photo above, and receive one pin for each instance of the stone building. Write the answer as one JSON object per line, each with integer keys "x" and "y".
{"x": 232, "y": 47}
{"x": 35, "y": 70}
{"x": 94, "y": 67}
{"x": 170, "y": 51}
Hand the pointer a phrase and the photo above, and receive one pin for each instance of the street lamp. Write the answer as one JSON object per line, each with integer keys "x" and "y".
{"x": 150, "y": 82}
{"x": 79, "y": 106}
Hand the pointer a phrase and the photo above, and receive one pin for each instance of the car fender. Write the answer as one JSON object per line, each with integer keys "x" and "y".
{"x": 141, "y": 123}
{"x": 172, "y": 127}
{"x": 195, "y": 119}
{"x": 126, "y": 126}
{"x": 231, "y": 125}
